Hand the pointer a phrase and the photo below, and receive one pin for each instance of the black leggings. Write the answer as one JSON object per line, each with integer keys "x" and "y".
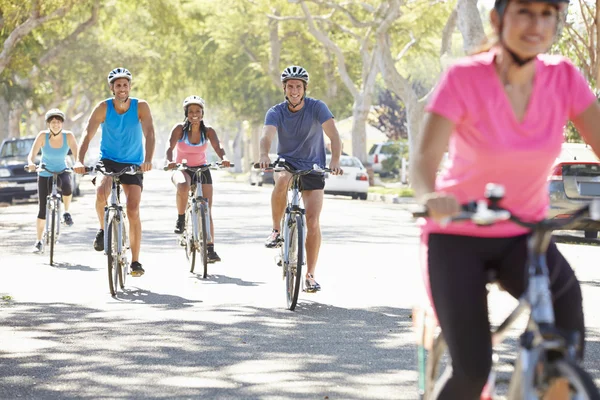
{"x": 45, "y": 188}
{"x": 458, "y": 270}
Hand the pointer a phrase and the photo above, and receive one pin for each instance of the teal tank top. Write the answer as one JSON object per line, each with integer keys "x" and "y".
{"x": 54, "y": 158}
{"x": 122, "y": 135}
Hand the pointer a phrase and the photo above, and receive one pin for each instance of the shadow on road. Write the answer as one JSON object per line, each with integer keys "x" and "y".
{"x": 67, "y": 351}
{"x": 144, "y": 296}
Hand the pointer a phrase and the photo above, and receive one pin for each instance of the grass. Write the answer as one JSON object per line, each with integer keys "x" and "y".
{"x": 399, "y": 191}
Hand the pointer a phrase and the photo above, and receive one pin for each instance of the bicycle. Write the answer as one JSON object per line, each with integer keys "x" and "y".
{"x": 293, "y": 227}
{"x": 534, "y": 371}
{"x": 53, "y": 211}
{"x": 196, "y": 234}
{"x": 116, "y": 228}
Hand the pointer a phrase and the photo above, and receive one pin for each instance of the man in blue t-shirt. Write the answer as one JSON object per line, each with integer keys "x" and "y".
{"x": 126, "y": 123}
{"x": 299, "y": 123}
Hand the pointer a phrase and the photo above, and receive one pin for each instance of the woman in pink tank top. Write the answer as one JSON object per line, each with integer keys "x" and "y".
{"x": 190, "y": 140}
{"x": 500, "y": 114}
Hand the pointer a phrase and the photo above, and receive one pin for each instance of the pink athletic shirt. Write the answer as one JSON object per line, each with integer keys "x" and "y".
{"x": 195, "y": 154}
{"x": 489, "y": 144}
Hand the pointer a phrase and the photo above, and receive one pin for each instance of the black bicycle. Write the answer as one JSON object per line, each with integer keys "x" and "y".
{"x": 53, "y": 211}
{"x": 545, "y": 353}
{"x": 116, "y": 228}
{"x": 293, "y": 229}
{"x": 196, "y": 234}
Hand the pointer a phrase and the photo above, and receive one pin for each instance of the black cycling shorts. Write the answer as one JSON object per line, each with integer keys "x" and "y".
{"x": 312, "y": 181}
{"x": 126, "y": 179}
{"x": 204, "y": 176}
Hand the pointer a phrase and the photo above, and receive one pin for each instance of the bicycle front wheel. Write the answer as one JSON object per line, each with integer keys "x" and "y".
{"x": 581, "y": 384}
{"x": 190, "y": 247}
{"x": 112, "y": 255}
{"x": 293, "y": 260}
{"x": 123, "y": 263}
{"x": 52, "y": 232}
{"x": 202, "y": 233}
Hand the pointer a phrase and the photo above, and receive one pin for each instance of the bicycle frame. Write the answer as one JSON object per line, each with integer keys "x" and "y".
{"x": 53, "y": 201}
{"x": 195, "y": 197}
{"x": 117, "y": 214}
{"x": 293, "y": 208}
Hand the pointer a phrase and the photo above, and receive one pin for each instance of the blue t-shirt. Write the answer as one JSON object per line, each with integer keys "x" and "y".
{"x": 122, "y": 135}
{"x": 301, "y": 141}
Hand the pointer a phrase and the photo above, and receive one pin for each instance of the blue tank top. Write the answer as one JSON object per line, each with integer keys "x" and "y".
{"x": 54, "y": 158}
{"x": 122, "y": 135}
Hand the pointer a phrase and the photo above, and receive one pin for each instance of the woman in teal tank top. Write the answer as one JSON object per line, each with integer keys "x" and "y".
{"x": 54, "y": 144}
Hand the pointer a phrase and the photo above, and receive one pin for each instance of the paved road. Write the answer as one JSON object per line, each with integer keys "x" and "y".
{"x": 173, "y": 334}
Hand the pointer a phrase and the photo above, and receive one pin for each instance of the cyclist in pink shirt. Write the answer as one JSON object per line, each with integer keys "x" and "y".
{"x": 190, "y": 139}
{"x": 501, "y": 115}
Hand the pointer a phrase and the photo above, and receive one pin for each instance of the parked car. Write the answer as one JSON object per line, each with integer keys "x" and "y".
{"x": 380, "y": 152}
{"x": 575, "y": 180}
{"x": 258, "y": 176}
{"x": 15, "y": 182}
{"x": 354, "y": 182}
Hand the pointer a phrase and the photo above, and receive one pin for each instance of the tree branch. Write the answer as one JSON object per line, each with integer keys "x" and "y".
{"x": 61, "y": 46}
{"x": 22, "y": 30}
{"x": 320, "y": 36}
{"x": 406, "y": 48}
{"x": 447, "y": 32}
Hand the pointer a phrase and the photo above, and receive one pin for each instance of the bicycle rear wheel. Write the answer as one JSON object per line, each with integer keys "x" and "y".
{"x": 112, "y": 256}
{"x": 292, "y": 263}
{"x": 202, "y": 248}
{"x": 190, "y": 248}
{"x": 52, "y": 237}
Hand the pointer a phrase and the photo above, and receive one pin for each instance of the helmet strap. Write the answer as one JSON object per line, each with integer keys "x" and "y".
{"x": 297, "y": 104}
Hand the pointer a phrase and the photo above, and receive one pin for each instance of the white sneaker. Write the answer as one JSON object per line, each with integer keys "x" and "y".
{"x": 37, "y": 247}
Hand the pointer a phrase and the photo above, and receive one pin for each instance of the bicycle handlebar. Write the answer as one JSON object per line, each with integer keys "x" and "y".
{"x": 184, "y": 166}
{"x": 280, "y": 165}
{"x": 487, "y": 212}
{"x": 42, "y": 167}
{"x": 130, "y": 170}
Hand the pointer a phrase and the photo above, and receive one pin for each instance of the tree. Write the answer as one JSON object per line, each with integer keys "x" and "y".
{"x": 389, "y": 116}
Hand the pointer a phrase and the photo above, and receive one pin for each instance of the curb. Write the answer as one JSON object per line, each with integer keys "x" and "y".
{"x": 390, "y": 198}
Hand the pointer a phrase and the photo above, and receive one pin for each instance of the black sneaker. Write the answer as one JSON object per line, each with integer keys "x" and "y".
{"x": 179, "y": 225}
{"x": 213, "y": 256}
{"x": 99, "y": 241}
{"x": 310, "y": 285}
{"x": 274, "y": 240}
{"x": 67, "y": 219}
{"x": 136, "y": 269}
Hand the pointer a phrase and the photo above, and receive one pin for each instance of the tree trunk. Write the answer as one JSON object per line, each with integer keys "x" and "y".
{"x": 470, "y": 25}
{"x": 360, "y": 113}
{"x": 238, "y": 147}
{"x": 4, "y": 111}
{"x": 14, "y": 121}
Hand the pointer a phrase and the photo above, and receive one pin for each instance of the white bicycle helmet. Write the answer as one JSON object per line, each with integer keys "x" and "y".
{"x": 294, "y": 72}
{"x": 193, "y": 99}
{"x": 118, "y": 73}
{"x": 55, "y": 112}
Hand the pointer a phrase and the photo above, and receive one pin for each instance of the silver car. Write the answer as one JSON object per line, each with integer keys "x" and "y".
{"x": 575, "y": 180}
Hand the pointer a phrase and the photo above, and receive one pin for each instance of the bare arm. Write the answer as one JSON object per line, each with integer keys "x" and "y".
{"x": 588, "y": 125}
{"x": 148, "y": 128}
{"x": 37, "y": 145}
{"x": 96, "y": 118}
{"x": 428, "y": 153}
{"x": 336, "y": 145}
{"x": 269, "y": 132}
{"x": 216, "y": 144}
{"x": 176, "y": 134}
{"x": 72, "y": 142}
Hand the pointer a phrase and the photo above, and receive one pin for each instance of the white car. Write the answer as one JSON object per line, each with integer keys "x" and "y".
{"x": 354, "y": 182}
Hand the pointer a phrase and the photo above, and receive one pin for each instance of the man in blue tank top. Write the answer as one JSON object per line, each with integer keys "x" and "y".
{"x": 126, "y": 122}
{"x": 299, "y": 123}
